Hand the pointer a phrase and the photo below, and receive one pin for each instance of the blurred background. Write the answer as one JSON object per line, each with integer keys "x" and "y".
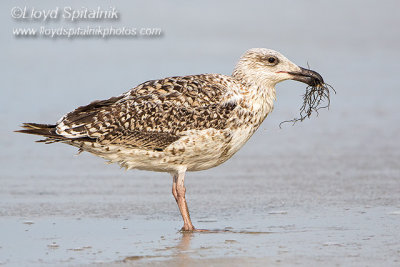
{"x": 347, "y": 156}
{"x": 353, "y": 45}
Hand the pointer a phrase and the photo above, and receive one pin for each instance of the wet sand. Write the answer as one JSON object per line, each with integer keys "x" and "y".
{"x": 351, "y": 236}
{"x": 263, "y": 209}
{"x": 280, "y": 236}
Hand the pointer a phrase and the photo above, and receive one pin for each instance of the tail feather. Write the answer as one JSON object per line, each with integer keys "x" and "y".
{"x": 46, "y": 130}
{"x": 49, "y": 131}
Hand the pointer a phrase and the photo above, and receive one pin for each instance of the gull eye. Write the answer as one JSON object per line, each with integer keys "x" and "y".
{"x": 272, "y": 60}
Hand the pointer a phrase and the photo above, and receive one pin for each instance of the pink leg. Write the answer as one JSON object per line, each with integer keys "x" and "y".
{"x": 179, "y": 190}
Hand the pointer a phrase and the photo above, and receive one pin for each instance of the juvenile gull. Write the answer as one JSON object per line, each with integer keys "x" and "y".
{"x": 179, "y": 124}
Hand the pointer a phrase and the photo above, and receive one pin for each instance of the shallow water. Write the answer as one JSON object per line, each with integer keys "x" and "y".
{"x": 323, "y": 192}
{"x": 344, "y": 236}
{"x": 339, "y": 214}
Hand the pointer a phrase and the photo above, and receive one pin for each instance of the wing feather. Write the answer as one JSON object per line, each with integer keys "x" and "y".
{"x": 154, "y": 114}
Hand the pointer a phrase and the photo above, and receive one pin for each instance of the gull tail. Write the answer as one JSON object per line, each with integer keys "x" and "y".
{"x": 46, "y": 130}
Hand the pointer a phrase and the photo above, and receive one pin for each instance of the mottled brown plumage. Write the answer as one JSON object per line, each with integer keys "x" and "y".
{"x": 150, "y": 115}
{"x": 179, "y": 124}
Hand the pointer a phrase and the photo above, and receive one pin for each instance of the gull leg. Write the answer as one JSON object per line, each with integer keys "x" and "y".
{"x": 179, "y": 190}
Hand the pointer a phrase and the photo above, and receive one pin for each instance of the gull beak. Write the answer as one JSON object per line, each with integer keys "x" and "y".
{"x": 307, "y": 76}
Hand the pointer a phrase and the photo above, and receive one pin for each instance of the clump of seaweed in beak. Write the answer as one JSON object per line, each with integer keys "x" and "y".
{"x": 313, "y": 100}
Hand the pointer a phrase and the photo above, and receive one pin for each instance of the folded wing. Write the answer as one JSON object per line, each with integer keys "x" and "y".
{"x": 152, "y": 115}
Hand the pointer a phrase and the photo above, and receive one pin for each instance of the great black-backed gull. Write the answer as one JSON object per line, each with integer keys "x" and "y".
{"x": 179, "y": 124}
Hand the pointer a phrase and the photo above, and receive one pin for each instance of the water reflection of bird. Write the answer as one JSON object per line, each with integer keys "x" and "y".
{"x": 179, "y": 124}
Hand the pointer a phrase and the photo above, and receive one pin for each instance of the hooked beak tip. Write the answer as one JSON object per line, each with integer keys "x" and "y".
{"x": 307, "y": 76}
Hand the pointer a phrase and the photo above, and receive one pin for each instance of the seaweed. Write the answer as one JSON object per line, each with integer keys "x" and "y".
{"x": 313, "y": 101}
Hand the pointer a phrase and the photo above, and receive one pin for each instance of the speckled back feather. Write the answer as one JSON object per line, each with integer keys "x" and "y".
{"x": 153, "y": 114}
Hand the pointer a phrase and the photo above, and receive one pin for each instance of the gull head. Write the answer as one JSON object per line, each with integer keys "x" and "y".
{"x": 266, "y": 67}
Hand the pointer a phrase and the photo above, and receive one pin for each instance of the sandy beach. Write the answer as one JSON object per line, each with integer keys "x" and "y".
{"x": 336, "y": 208}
